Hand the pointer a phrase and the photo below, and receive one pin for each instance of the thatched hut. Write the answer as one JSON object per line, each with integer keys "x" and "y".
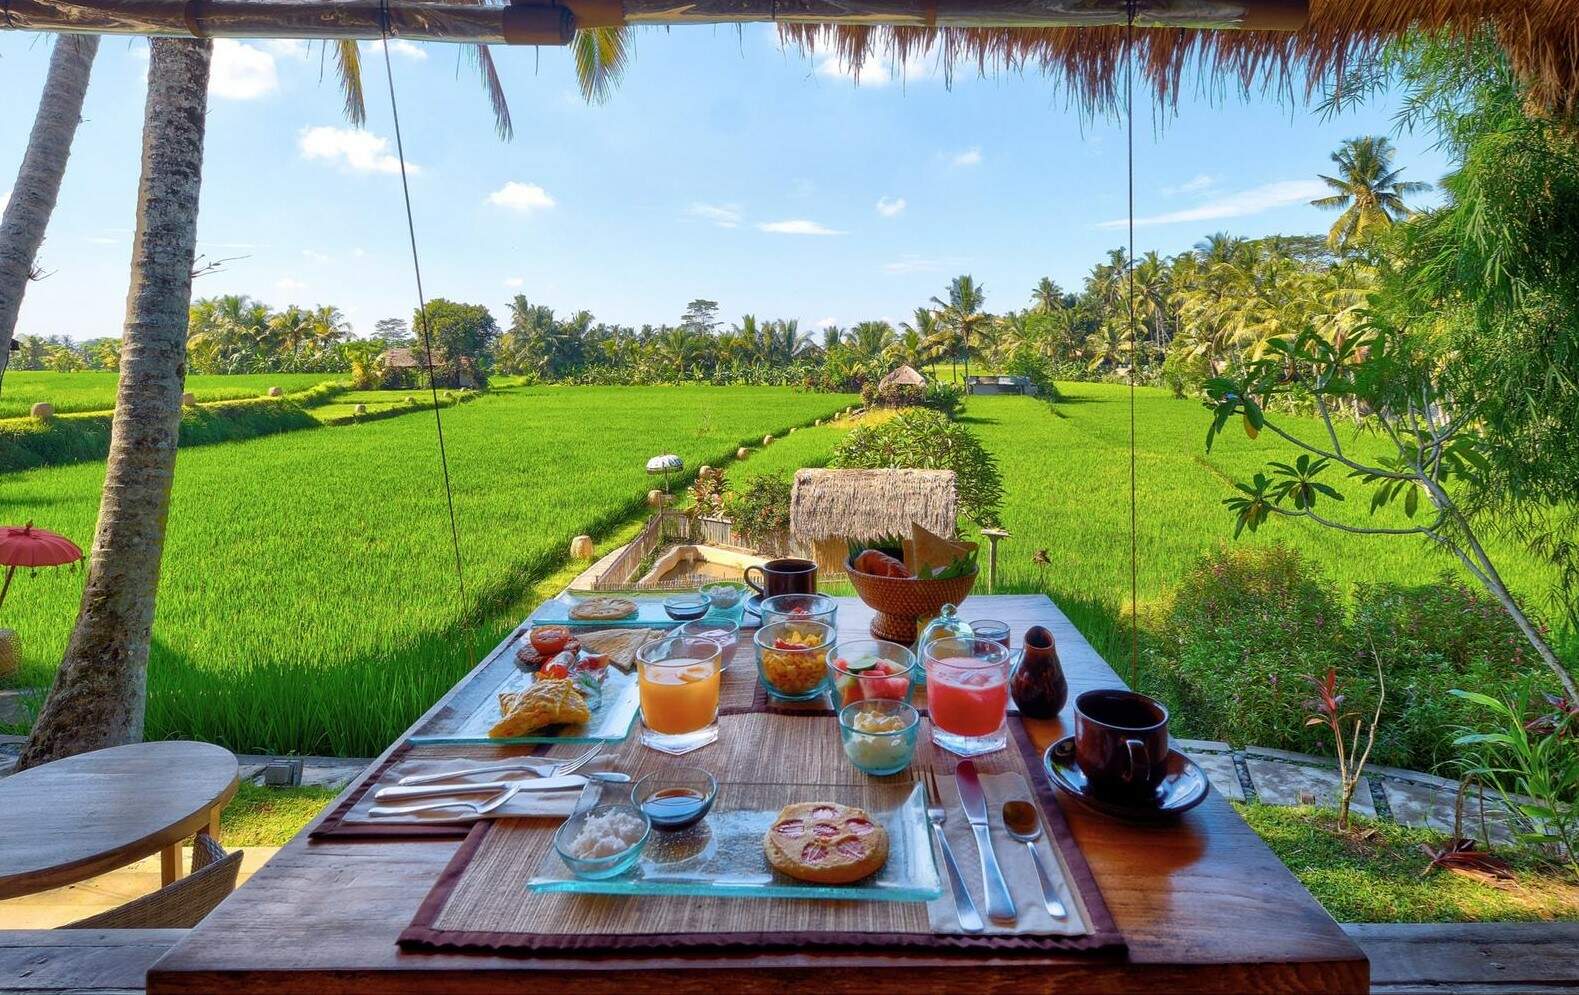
{"x": 831, "y": 508}
{"x": 905, "y": 376}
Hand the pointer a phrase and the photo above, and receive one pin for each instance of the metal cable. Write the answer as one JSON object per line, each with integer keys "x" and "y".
{"x": 1134, "y": 518}
{"x": 422, "y": 305}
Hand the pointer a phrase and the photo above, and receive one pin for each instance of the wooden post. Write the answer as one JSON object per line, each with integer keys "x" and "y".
{"x": 992, "y": 536}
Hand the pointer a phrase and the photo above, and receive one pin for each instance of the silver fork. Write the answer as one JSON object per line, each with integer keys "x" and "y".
{"x": 543, "y": 768}
{"x": 477, "y": 808}
{"x": 964, "y": 907}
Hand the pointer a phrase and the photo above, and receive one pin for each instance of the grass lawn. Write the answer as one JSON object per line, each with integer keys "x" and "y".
{"x": 1375, "y": 873}
{"x": 308, "y": 600}
{"x": 270, "y": 816}
{"x": 94, "y": 390}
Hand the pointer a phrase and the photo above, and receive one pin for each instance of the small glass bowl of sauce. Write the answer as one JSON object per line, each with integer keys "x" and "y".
{"x": 675, "y": 797}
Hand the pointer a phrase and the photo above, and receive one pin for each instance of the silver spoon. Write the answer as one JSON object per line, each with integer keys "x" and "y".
{"x": 1022, "y": 823}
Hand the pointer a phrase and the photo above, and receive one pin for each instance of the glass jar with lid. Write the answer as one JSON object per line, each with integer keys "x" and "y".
{"x": 947, "y": 625}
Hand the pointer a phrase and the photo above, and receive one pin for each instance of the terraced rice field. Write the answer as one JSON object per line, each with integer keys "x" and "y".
{"x": 308, "y": 600}
{"x": 93, "y": 390}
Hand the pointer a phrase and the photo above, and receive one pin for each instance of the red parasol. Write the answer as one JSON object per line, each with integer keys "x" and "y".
{"x": 25, "y": 546}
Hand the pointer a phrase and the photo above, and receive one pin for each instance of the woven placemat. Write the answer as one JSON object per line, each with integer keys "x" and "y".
{"x": 480, "y": 902}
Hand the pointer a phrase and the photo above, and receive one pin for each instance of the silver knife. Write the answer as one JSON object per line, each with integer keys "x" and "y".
{"x": 479, "y": 788}
{"x": 1000, "y": 904}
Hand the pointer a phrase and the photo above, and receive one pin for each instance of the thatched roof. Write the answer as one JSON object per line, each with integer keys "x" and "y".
{"x": 871, "y": 504}
{"x": 905, "y": 376}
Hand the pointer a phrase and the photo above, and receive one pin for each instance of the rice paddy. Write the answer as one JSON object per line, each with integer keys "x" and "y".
{"x": 91, "y": 390}
{"x": 308, "y": 601}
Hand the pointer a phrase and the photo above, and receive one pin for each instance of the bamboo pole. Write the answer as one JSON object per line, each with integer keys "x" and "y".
{"x": 541, "y": 22}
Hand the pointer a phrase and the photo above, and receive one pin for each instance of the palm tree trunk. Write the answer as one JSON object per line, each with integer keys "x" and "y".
{"x": 101, "y": 687}
{"x": 38, "y": 181}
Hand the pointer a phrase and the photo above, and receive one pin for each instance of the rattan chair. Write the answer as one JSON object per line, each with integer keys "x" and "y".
{"x": 180, "y": 905}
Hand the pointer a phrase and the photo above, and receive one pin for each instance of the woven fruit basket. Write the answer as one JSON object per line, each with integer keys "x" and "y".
{"x": 900, "y": 602}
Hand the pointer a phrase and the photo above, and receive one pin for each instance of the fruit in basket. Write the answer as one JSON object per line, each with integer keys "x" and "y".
{"x": 825, "y": 843}
{"x": 880, "y": 564}
{"x": 545, "y": 703}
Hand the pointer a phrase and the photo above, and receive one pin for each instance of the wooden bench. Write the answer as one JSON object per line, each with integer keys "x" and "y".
{"x": 100, "y": 961}
{"x": 1470, "y": 958}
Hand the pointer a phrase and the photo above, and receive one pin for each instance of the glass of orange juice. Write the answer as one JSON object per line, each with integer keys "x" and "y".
{"x": 678, "y": 678}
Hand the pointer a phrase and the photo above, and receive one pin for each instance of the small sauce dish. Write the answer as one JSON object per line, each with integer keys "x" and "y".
{"x": 675, "y": 797}
{"x": 686, "y": 607}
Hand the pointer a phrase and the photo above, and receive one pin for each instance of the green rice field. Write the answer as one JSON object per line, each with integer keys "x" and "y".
{"x": 94, "y": 390}
{"x": 308, "y": 600}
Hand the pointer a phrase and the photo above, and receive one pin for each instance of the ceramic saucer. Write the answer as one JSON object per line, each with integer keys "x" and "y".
{"x": 1183, "y": 787}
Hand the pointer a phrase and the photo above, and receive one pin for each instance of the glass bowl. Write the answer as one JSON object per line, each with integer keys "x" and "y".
{"x": 868, "y": 741}
{"x": 723, "y": 596}
{"x": 675, "y": 797}
{"x": 871, "y": 669}
{"x": 725, "y": 634}
{"x": 602, "y": 867}
{"x": 799, "y": 608}
{"x": 793, "y": 672}
{"x": 685, "y": 607}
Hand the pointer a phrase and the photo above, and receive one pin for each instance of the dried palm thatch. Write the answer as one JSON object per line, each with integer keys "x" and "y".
{"x": 865, "y": 505}
{"x": 904, "y": 376}
{"x": 1540, "y": 36}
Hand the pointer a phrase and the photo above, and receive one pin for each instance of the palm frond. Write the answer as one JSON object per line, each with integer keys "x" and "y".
{"x": 490, "y": 82}
{"x": 601, "y": 57}
{"x": 348, "y": 67}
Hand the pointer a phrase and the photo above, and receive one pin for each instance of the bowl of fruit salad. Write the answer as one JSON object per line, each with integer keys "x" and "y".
{"x": 871, "y": 670}
{"x": 792, "y": 658}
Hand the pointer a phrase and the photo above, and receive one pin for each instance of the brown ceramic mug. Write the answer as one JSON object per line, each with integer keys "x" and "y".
{"x": 786, "y": 576}
{"x": 1121, "y": 742}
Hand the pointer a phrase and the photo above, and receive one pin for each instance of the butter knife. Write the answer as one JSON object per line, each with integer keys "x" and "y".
{"x": 1000, "y": 904}
{"x": 562, "y": 783}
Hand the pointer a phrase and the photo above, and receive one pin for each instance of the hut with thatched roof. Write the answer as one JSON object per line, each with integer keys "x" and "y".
{"x": 831, "y": 508}
{"x": 905, "y": 376}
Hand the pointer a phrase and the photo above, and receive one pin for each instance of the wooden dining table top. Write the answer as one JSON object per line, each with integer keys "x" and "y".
{"x": 1203, "y": 905}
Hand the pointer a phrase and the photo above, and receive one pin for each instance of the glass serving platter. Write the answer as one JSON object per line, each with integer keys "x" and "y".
{"x": 722, "y": 855}
{"x": 611, "y": 720}
{"x": 649, "y": 611}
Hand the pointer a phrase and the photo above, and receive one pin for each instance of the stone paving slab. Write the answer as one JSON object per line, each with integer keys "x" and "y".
{"x": 1432, "y": 807}
{"x": 1291, "y": 784}
{"x": 1220, "y": 770}
{"x": 1194, "y": 746}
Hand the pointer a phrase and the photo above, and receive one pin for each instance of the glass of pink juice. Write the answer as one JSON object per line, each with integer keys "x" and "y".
{"x": 968, "y": 694}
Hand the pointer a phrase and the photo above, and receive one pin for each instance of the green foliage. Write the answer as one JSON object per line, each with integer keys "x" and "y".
{"x": 1527, "y": 749}
{"x": 258, "y": 816}
{"x": 1026, "y": 362}
{"x": 927, "y": 440}
{"x": 760, "y": 511}
{"x": 90, "y": 390}
{"x": 1244, "y": 628}
{"x": 947, "y": 398}
{"x": 461, "y": 337}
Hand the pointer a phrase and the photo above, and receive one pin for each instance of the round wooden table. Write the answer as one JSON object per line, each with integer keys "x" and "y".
{"x": 75, "y": 818}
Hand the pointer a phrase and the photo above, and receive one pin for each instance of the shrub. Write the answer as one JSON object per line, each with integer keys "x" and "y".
{"x": 760, "y": 512}
{"x": 920, "y": 439}
{"x": 1028, "y": 363}
{"x": 1244, "y": 629}
{"x": 1428, "y": 639}
{"x": 945, "y": 397}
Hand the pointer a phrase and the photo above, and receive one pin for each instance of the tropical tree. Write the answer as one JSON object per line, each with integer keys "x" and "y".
{"x": 100, "y": 690}
{"x": 962, "y": 313}
{"x": 38, "y": 181}
{"x": 1367, "y": 190}
{"x": 1047, "y": 297}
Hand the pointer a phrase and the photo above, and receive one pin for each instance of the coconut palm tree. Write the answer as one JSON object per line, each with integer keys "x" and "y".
{"x": 100, "y": 690}
{"x": 1047, "y": 297}
{"x": 962, "y": 313}
{"x": 1367, "y": 190}
{"x": 38, "y": 181}
{"x": 870, "y": 339}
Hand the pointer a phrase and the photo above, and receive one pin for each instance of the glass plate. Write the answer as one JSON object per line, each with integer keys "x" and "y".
{"x": 649, "y": 611}
{"x": 611, "y": 720}
{"x": 722, "y": 855}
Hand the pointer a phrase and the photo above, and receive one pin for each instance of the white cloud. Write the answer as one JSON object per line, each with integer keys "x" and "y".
{"x": 1281, "y": 193}
{"x": 360, "y": 151}
{"x": 241, "y": 72}
{"x": 5, "y": 198}
{"x": 359, "y": 252}
{"x": 514, "y": 281}
{"x": 871, "y": 73}
{"x": 722, "y": 215}
{"x": 969, "y": 157}
{"x": 410, "y": 50}
{"x": 290, "y": 47}
{"x": 1197, "y": 184}
{"x": 798, "y": 226}
{"x": 826, "y": 323}
{"x": 314, "y": 256}
{"x": 289, "y": 283}
{"x": 890, "y": 207}
{"x": 523, "y": 197}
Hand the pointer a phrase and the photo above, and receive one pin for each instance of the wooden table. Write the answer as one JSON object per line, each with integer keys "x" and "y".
{"x": 84, "y": 815}
{"x": 1204, "y": 906}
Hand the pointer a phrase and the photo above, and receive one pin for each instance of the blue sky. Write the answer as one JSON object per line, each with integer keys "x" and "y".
{"x": 723, "y": 167}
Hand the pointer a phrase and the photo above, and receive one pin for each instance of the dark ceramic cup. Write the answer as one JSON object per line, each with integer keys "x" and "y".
{"x": 787, "y": 576}
{"x": 1121, "y": 742}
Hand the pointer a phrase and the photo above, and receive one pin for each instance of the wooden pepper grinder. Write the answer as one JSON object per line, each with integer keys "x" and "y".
{"x": 1039, "y": 687}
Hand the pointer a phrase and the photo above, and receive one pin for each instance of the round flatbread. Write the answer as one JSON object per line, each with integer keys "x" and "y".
{"x": 825, "y": 843}
{"x": 604, "y": 609}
